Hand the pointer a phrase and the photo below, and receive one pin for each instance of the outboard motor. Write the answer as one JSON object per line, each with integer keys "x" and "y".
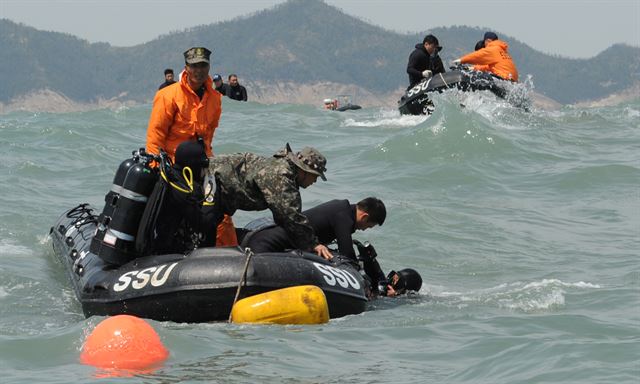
{"x": 115, "y": 236}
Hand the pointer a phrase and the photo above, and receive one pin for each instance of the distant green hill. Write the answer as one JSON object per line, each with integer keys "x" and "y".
{"x": 298, "y": 41}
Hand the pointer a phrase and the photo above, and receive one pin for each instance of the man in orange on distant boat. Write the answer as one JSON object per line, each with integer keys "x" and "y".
{"x": 185, "y": 112}
{"x": 492, "y": 58}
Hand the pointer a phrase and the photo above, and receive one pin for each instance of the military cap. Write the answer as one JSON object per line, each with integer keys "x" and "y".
{"x": 309, "y": 160}
{"x": 197, "y": 55}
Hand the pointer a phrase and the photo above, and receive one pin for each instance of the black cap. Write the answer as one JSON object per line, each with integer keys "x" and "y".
{"x": 490, "y": 35}
{"x": 217, "y": 77}
{"x": 412, "y": 279}
{"x": 191, "y": 154}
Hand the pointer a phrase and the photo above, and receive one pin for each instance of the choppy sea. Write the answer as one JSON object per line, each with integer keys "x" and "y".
{"x": 524, "y": 225}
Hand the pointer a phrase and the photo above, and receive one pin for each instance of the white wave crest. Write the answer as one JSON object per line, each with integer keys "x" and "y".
{"x": 387, "y": 118}
{"x": 523, "y": 296}
{"x": 6, "y": 248}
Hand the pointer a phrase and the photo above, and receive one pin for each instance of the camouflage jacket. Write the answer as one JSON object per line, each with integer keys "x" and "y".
{"x": 249, "y": 182}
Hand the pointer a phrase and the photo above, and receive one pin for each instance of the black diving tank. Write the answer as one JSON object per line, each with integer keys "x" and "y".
{"x": 114, "y": 240}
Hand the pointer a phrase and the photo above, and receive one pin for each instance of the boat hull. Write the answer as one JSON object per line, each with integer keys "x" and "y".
{"x": 417, "y": 99}
{"x": 197, "y": 287}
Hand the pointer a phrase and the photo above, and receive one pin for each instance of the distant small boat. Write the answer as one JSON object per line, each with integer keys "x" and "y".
{"x": 416, "y": 100}
{"x": 340, "y": 103}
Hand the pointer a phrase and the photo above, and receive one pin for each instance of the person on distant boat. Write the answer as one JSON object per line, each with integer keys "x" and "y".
{"x": 235, "y": 90}
{"x": 492, "y": 58}
{"x": 335, "y": 220}
{"x": 186, "y": 112}
{"x": 168, "y": 78}
{"x": 219, "y": 84}
{"x": 249, "y": 182}
{"x": 330, "y": 104}
{"x": 424, "y": 61}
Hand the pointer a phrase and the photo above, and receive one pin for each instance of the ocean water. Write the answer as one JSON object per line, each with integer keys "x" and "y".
{"x": 524, "y": 225}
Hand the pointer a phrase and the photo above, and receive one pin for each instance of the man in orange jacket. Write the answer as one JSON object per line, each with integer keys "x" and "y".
{"x": 185, "y": 111}
{"x": 492, "y": 58}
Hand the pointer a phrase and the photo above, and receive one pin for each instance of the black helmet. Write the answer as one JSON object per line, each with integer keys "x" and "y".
{"x": 412, "y": 279}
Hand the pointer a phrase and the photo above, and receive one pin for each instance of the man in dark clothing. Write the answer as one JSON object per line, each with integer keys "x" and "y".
{"x": 424, "y": 61}
{"x": 334, "y": 220}
{"x": 219, "y": 85}
{"x": 250, "y": 182}
{"x": 235, "y": 90}
{"x": 168, "y": 78}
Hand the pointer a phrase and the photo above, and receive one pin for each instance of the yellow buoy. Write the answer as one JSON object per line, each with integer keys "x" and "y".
{"x": 304, "y": 304}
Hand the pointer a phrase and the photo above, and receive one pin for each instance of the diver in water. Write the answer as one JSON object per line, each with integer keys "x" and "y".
{"x": 394, "y": 283}
{"x": 424, "y": 61}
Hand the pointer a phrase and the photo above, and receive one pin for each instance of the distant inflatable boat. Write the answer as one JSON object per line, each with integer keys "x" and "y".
{"x": 350, "y": 107}
{"x": 417, "y": 100}
{"x": 340, "y": 103}
{"x": 197, "y": 287}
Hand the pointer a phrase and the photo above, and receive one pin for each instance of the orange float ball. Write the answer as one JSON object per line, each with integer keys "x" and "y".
{"x": 123, "y": 342}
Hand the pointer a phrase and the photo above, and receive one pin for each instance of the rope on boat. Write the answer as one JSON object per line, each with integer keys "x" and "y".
{"x": 249, "y": 253}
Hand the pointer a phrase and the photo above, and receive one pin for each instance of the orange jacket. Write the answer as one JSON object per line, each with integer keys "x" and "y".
{"x": 493, "y": 58}
{"x": 178, "y": 115}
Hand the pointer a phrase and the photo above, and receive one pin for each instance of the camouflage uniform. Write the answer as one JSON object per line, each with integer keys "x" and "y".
{"x": 250, "y": 182}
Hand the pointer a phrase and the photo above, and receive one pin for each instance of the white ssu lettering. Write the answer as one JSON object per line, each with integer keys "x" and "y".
{"x": 334, "y": 275}
{"x": 143, "y": 277}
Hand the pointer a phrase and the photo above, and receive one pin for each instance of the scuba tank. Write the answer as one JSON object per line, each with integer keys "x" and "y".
{"x": 114, "y": 240}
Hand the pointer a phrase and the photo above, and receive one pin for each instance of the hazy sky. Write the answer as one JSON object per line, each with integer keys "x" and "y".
{"x": 573, "y": 28}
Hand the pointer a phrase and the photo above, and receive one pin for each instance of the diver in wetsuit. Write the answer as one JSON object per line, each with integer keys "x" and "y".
{"x": 379, "y": 284}
{"x": 335, "y": 220}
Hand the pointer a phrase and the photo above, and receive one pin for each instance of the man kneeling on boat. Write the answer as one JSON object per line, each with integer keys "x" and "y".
{"x": 248, "y": 182}
{"x": 335, "y": 220}
{"x": 184, "y": 210}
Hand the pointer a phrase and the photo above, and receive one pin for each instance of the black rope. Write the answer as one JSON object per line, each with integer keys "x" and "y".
{"x": 83, "y": 215}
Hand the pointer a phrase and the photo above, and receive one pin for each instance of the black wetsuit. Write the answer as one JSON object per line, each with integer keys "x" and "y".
{"x": 419, "y": 61}
{"x": 237, "y": 93}
{"x": 222, "y": 89}
{"x": 166, "y": 83}
{"x": 333, "y": 220}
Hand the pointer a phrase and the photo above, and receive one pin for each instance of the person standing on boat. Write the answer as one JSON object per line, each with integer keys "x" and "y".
{"x": 335, "y": 220}
{"x": 168, "y": 78}
{"x": 219, "y": 84}
{"x": 248, "y": 182}
{"x": 186, "y": 112}
{"x": 235, "y": 90}
{"x": 424, "y": 61}
{"x": 492, "y": 58}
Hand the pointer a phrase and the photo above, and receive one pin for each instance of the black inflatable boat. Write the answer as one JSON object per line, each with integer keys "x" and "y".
{"x": 197, "y": 287}
{"x": 416, "y": 101}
